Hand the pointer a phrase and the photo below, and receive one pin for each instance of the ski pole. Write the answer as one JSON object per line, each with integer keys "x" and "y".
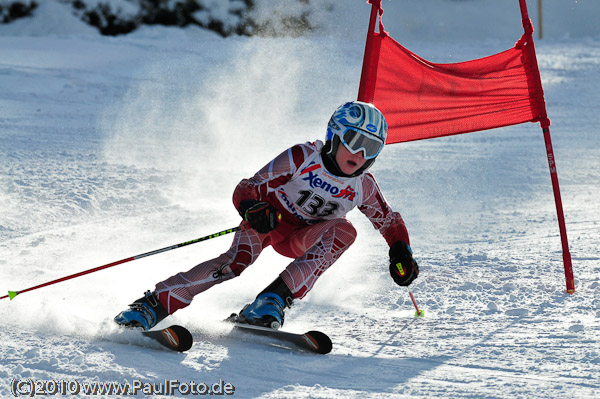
{"x": 419, "y": 312}
{"x": 12, "y": 294}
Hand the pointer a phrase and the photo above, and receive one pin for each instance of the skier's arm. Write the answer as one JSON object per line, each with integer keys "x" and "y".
{"x": 403, "y": 268}
{"x": 250, "y": 195}
{"x": 274, "y": 174}
{"x": 375, "y": 207}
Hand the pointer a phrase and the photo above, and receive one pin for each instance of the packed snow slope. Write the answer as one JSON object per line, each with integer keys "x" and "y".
{"x": 111, "y": 147}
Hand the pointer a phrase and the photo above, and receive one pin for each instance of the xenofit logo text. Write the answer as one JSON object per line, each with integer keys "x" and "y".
{"x": 316, "y": 182}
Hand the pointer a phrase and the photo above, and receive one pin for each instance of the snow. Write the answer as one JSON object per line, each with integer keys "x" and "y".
{"x": 111, "y": 147}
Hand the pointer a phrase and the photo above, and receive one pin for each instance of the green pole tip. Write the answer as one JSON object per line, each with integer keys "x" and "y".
{"x": 12, "y": 294}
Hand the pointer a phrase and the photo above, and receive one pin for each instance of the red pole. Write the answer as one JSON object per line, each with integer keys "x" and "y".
{"x": 418, "y": 312}
{"x": 559, "y": 212}
{"x": 12, "y": 294}
{"x": 367, "y": 80}
{"x": 545, "y": 124}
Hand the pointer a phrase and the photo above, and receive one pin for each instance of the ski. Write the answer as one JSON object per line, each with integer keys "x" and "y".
{"x": 313, "y": 341}
{"x": 179, "y": 339}
{"x": 175, "y": 338}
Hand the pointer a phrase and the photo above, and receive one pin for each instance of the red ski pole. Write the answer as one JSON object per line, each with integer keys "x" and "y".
{"x": 418, "y": 312}
{"x": 12, "y": 294}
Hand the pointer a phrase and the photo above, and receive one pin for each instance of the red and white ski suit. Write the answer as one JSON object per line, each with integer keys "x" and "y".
{"x": 313, "y": 229}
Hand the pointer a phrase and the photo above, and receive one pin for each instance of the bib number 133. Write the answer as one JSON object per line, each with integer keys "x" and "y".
{"x": 315, "y": 205}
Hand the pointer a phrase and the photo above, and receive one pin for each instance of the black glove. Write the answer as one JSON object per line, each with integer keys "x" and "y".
{"x": 245, "y": 205}
{"x": 403, "y": 268}
{"x": 263, "y": 217}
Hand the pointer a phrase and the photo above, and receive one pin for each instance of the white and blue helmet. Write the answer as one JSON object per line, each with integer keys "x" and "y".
{"x": 359, "y": 126}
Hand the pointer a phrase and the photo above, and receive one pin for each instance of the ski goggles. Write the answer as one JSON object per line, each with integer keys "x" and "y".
{"x": 356, "y": 140}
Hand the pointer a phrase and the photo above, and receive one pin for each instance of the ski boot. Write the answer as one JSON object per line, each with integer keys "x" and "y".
{"x": 145, "y": 312}
{"x": 267, "y": 310}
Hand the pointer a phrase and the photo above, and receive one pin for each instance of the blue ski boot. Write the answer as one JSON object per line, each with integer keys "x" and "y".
{"x": 145, "y": 312}
{"x": 266, "y": 311}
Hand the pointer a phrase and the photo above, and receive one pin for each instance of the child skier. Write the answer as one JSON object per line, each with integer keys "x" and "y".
{"x": 297, "y": 203}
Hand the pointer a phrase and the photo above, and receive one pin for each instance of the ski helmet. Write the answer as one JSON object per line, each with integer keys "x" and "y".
{"x": 359, "y": 126}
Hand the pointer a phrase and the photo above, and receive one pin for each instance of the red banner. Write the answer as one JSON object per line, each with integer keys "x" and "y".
{"x": 421, "y": 99}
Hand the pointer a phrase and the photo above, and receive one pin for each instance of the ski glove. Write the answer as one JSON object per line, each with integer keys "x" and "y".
{"x": 403, "y": 268}
{"x": 263, "y": 217}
